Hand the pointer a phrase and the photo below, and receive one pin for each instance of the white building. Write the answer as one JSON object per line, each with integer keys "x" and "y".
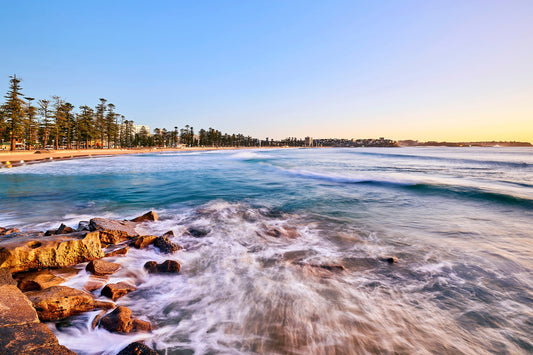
{"x": 138, "y": 127}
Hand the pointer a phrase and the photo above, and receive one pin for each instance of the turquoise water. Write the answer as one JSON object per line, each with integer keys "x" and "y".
{"x": 458, "y": 219}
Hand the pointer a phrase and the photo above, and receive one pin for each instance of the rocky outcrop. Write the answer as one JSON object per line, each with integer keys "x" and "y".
{"x": 27, "y": 252}
{"x": 115, "y": 291}
{"x": 100, "y": 267}
{"x": 6, "y": 278}
{"x": 30, "y": 338}
{"x": 58, "y": 302}
{"x": 147, "y": 217}
{"x": 38, "y": 280}
{"x": 165, "y": 245}
{"x": 113, "y": 231}
{"x": 169, "y": 266}
{"x": 115, "y": 251}
{"x": 15, "y": 308}
{"x": 121, "y": 321}
{"x": 144, "y": 240}
{"x": 137, "y": 349}
{"x": 5, "y": 231}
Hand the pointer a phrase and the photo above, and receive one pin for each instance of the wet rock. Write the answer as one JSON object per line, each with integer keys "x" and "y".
{"x": 389, "y": 259}
{"x": 96, "y": 319}
{"x": 58, "y": 302}
{"x": 100, "y": 267}
{"x": 104, "y": 305}
{"x": 169, "y": 266}
{"x": 113, "y": 231}
{"x": 137, "y": 349}
{"x": 95, "y": 282}
{"x": 6, "y": 231}
{"x": 147, "y": 217}
{"x": 121, "y": 321}
{"x": 83, "y": 226}
{"x": 25, "y": 252}
{"x": 38, "y": 280}
{"x": 144, "y": 240}
{"x": 15, "y": 308}
{"x": 197, "y": 232}
{"x": 63, "y": 229}
{"x": 140, "y": 325}
{"x": 115, "y": 251}
{"x": 165, "y": 245}
{"x": 115, "y": 291}
{"x": 6, "y": 278}
{"x": 30, "y": 338}
{"x": 65, "y": 272}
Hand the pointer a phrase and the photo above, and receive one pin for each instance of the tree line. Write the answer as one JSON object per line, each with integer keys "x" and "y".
{"x": 26, "y": 123}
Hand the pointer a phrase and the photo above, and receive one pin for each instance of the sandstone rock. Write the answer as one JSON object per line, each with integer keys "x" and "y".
{"x": 30, "y": 338}
{"x": 63, "y": 229}
{"x": 165, "y": 245}
{"x": 113, "y": 231}
{"x": 27, "y": 253}
{"x": 96, "y": 319}
{"x": 15, "y": 308}
{"x": 141, "y": 325}
{"x": 5, "y": 231}
{"x": 58, "y": 302}
{"x": 38, "y": 280}
{"x": 65, "y": 272}
{"x": 83, "y": 226}
{"x": 100, "y": 267}
{"x": 144, "y": 240}
{"x": 104, "y": 305}
{"x": 120, "y": 321}
{"x": 6, "y": 278}
{"x": 115, "y": 291}
{"x": 147, "y": 217}
{"x": 95, "y": 282}
{"x": 137, "y": 349}
{"x": 113, "y": 251}
{"x": 169, "y": 266}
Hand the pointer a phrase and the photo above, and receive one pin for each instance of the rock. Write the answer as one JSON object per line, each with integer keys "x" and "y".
{"x": 95, "y": 282}
{"x": 169, "y": 266}
{"x": 113, "y": 251}
{"x": 27, "y": 253}
{"x": 115, "y": 291}
{"x": 100, "y": 267}
{"x": 104, "y": 305}
{"x": 147, "y": 217}
{"x": 165, "y": 245}
{"x": 96, "y": 319}
{"x": 120, "y": 321}
{"x": 113, "y": 231}
{"x": 30, "y": 338}
{"x": 144, "y": 240}
{"x": 6, "y": 278}
{"x": 390, "y": 259}
{"x": 197, "y": 232}
{"x": 137, "y": 349}
{"x": 38, "y": 280}
{"x": 65, "y": 272}
{"x": 58, "y": 302}
{"x": 141, "y": 325}
{"x": 83, "y": 226}
{"x": 6, "y": 231}
{"x": 15, "y": 308}
{"x": 63, "y": 229}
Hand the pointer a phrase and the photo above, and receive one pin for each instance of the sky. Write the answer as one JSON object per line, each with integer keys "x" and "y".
{"x": 425, "y": 70}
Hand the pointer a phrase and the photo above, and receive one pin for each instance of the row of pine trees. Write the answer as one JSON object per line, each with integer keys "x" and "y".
{"x": 53, "y": 123}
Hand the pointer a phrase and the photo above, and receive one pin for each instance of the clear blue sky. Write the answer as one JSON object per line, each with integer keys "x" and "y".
{"x": 454, "y": 70}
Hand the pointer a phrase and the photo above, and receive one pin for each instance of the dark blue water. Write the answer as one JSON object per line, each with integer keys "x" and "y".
{"x": 261, "y": 281}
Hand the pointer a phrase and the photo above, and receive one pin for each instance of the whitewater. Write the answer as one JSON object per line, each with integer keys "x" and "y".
{"x": 285, "y": 250}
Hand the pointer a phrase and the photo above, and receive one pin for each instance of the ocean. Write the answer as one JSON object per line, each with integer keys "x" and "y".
{"x": 285, "y": 250}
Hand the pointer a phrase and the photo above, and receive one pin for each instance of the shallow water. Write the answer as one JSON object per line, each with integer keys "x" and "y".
{"x": 277, "y": 226}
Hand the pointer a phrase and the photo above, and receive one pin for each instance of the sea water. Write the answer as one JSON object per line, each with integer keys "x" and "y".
{"x": 285, "y": 250}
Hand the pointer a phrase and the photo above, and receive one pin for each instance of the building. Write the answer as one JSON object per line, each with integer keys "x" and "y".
{"x": 138, "y": 127}
{"x": 308, "y": 141}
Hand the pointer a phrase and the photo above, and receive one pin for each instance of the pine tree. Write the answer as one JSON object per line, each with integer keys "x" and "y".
{"x": 13, "y": 110}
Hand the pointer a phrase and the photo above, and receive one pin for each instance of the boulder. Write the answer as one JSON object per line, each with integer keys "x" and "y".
{"x": 121, "y": 321}
{"x": 95, "y": 282}
{"x": 389, "y": 259}
{"x": 137, "y": 349}
{"x": 169, "y": 266}
{"x": 15, "y": 308}
{"x": 147, "y": 217}
{"x": 114, "y": 251}
{"x": 197, "y": 232}
{"x": 30, "y": 338}
{"x": 63, "y": 229}
{"x": 38, "y": 280}
{"x": 5, "y": 231}
{"x": 115, "y": 291}
{"x": 83, "y": 226}
{"x": 144, "y": 240}
{"x": 58, "y": 302}
{"x": 6, "y": 278}
{"x": 113, "y": 231}
{"x": 104, "y": 305}
{"x": 100, "y": 267}
{"x": 25, "y": 252}
{"x": 165, "y": 245}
